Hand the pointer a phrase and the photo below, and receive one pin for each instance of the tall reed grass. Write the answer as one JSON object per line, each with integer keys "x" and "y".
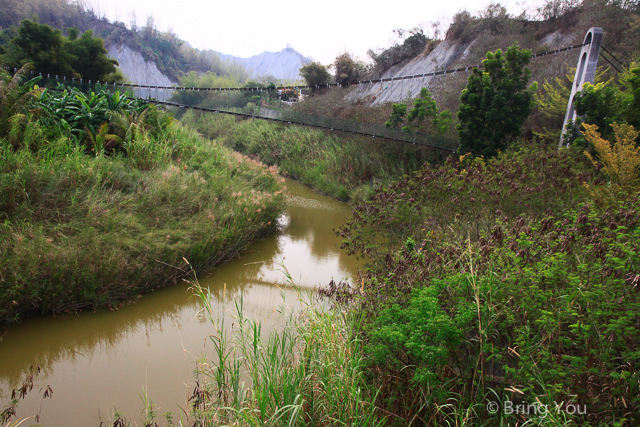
{"x": 307, "y": 372}
{"x": 83, "y": 231}
{"x": 343, "y": 167}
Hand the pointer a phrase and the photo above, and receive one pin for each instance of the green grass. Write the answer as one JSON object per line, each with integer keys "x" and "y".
{"x": 307, "y": 372}
{"x": 341, "y": 166}
{"x": 83, "y": 231}
{"x": 500, "y": 280}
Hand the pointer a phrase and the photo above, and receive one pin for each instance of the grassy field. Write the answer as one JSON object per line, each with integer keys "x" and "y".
{"x": 341, "y": 166}
{"x": 85, "y": 231}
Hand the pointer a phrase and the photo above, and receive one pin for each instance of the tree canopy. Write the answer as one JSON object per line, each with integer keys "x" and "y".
{"x": 347, "y": 69}
{"x": 315, "y": 74}
{"x": 496, "y": 102}
{"x": 51, "y": 52}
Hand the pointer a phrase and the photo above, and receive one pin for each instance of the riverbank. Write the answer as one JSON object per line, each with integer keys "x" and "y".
{"x": 98, "y": 361}
{"x": 490, "y": 283}
{"x": 83, "y": 231}
{"x": 341, "y": 166}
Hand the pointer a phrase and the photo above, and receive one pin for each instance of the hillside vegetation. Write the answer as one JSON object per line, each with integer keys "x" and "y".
{"x": 172, "y": 55}
{"x": 103, "y": 196}
{"x": 470, "y": 36}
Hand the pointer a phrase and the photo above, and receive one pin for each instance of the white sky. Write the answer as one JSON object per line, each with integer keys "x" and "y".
{"x": 321, "y": 29}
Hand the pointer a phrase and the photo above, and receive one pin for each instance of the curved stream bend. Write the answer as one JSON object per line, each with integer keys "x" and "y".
{"x": 95, "y": 362}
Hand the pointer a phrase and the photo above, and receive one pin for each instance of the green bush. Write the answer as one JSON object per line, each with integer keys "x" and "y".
{"x": 496, "y": 102}
{"x": 535, "y": 312}
{"x": 82, "y": 116}
{"x": 52, "y": 53}
{"x": 423, "y": 117}
{"x": 607, "y": 103}
{"x": 413, "y": 43}
{"x": 347, "y": 69}
{"x": 315, "y": 74}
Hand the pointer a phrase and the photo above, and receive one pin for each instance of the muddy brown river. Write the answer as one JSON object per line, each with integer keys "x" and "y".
{"x": 96, "y": 363}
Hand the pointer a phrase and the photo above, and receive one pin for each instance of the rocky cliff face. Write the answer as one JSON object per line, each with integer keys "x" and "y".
{"x": 136, "y": 69}
{"x": 283, "y": 65}
{"x": 446, "y": 55}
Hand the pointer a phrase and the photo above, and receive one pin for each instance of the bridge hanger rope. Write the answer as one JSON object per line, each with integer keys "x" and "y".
{"x": 371, "y": 81}
{"x": 624, "y": 66}
{"x": 610, "y": 63}
{"x": 293, "y": 122}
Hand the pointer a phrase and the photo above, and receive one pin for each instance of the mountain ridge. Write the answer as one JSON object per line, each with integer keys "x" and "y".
{"x": 283, "y": 65}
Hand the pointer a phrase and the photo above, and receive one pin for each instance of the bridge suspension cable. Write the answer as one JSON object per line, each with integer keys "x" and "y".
{"x": 230, "y": 101}
{"x": 359, "y": 82}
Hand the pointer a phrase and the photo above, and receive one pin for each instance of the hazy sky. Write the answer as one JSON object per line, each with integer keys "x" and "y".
{"x": 319, "y": 29}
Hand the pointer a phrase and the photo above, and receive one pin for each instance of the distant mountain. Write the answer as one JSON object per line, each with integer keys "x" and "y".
{"x": 283, "y": 65}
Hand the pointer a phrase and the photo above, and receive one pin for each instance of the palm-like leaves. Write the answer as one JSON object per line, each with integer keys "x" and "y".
{"x": 15, "y": 96}
{"x": 82, "y": 115}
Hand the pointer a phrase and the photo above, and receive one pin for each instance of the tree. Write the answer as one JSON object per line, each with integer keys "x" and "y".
{"x": 348, "y": 69}
{"x": 609, "y": 102}
{"x": 604, "y": 104}
{"x": 88, "y": 57}
{"x": 52, "y": 53}
{"x": 496, "y": 102}
{"x": 315, "y": 74}
{"x": 424, "y": 116}
{"x": 42, "y": 46}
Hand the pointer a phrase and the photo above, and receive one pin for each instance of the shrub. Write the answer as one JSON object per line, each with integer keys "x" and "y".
{"x": 81, "y": 115}
{"x": 496, "y": 102}
{"x": 424, "y": 116}
{"x": 347, "y": 69}
{"x": 606, "y": 103}
{"x": 52, "y": 53}
{"x": 315, "y": 74}
{"x": 414, "y": 42}
{"x": 537, "y": 311}
{"x": 620, "y": 163}
{"x": 15, "y": 96}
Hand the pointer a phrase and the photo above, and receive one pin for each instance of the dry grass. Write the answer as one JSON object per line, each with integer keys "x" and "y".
{"x": 93, "y": 232}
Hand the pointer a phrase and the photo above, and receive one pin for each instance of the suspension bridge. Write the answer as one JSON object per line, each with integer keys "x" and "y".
{"x": 259, "y": 102}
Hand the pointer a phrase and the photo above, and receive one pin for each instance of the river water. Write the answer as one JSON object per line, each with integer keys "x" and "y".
{"x": 96, "y": 363}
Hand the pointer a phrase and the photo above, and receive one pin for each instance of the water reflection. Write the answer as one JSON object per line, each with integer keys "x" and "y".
{"x": 95, "y": 361}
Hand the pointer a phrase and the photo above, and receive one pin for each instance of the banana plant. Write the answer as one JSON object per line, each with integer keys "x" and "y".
{"x": 82, "y": 115}
{"x": 104, "y": 140}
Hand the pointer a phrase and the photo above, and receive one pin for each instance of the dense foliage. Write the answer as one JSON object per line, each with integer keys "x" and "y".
{"x": 607, "y": 103}
{"x": 52, "y": 53}
{"x": 101, "y": 195}
{"x": 100, "y": 122}
{"x": 465, "y": 197}
{"x": 413, "y": 43}
{"x": 496, "y": 102}
{"x": 172, "y": 56}
{"x": 348, "y": 69}
{"x": 315, "y": 74}
{"x": 619, "y": 163}
{"x": 492, "y": 281}
{"x": 341, "y": 166}
{"x": 423, "y": 116}
{"x": 16, "y": 92}
{"x": 541, "y": 310}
